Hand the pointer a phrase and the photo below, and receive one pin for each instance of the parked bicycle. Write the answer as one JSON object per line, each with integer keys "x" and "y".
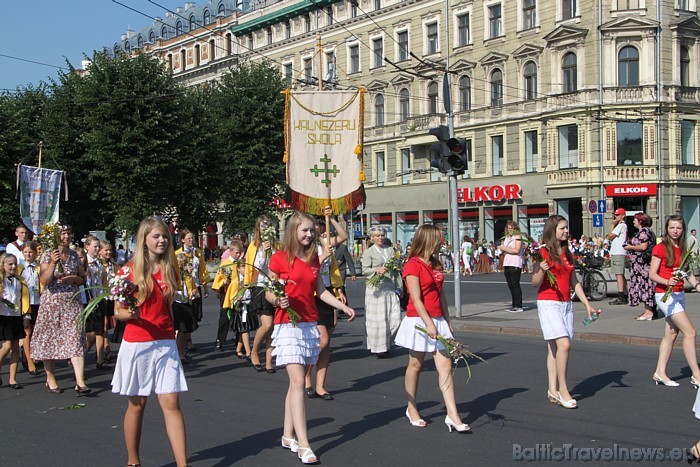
{"x": 592, "y": 280}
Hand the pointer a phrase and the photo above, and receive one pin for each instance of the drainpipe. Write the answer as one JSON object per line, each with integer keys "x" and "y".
{"x": 659, "y": 202}
{"x": 600, "y": 106}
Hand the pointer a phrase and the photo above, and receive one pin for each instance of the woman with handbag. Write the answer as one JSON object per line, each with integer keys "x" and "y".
{"x": 641, "y": 289}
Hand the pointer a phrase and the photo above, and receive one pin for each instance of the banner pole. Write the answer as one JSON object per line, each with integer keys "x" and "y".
{"x": 319, "y": 53}
{"x": 41, "y": 145}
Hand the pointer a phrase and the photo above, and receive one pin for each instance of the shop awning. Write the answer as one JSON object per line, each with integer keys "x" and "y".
{"x": 283, "y": 14}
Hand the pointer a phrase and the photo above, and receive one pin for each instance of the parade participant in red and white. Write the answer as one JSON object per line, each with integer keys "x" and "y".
{"x": 297, "y": 345}
{"x": 148, "y": 361}
{"x": 29, "y": 272}
{"x": 554, "y": 306}
{"x": 15, "y": 302}
{"x": 15, "y": 248}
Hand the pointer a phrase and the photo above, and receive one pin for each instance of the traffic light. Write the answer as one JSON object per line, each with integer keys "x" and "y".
{"x": 450, "y": 154}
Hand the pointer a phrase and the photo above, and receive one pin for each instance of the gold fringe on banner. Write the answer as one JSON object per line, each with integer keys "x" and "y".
{"x": 316, "y": 206}
{"x": 361, "y": 135}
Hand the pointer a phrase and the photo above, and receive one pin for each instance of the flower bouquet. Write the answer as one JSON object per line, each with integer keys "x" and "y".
{"x": 120, "y": 289}
{"x": 680, "y": 272}
{"x": 537, "y": 257}
{"x": 267, "y": 234}
{"x": 49, "y": 238}
{"x": 276, "y": 287}
{"x": 393, "y": 264}
{"x": 456, "y": 350}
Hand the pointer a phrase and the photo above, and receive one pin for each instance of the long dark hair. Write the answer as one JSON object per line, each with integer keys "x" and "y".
{"x": 549, "y": 239}
{"x": 668, "y": 243}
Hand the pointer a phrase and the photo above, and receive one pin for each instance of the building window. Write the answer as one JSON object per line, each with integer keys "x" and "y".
{"x": 529, "y": 14}
{"x": 139, "y": 41}
{"x": 629, "y": 143}
{"x": 379, "y": 110}
{"x": 432, "y": 98}
{"x": 377, "y": 4}
{"x": 212, "y": 50}
{"x": 269, "y": 35}
{"x": 307, "y": 23}
{"x": 531, "y": 151}
{"x": 530, "y": 80}
{"x": 378, "y": 49}
{"x": 463, "y": 32}
{"x": 497, "y": 154}
{"x": 465, "y": 93}
{"x": 164, "y": 33}
{"x": 308, "y": 70}
{"x": 404, "y": 105}
{"x": 354, "y": 58}
{"x": 628, "y": 66}
{"x": 178, "y": 28}
{"x": 288, "y": 73}
{"x": 183, "y": 60}
{"x": 683, "y": 4}
{"x": 152, "y": 37}
{"x": 496, "y": 88}
{"x": 287, "y": 29}
{"x": 406, "y": 166}
{"x": 685, "y": 66}
{"x": 568, "y": 146}
{"x": 381, "y": 169}
{"x": 432, "y": 38}
{"x": 193, "y": 23}
{"x": 402, "y": 39}
{"x": 688, "y": 142}
{"x": 197, "y": 54}
{"x": 353, "y": 8}
{"x": 229, "y": 44}
{"x": 329, "y": 15}
{"x": 251, "y": 41}
{"x": 569, "y": 72}
{"x": 495, "y": 27}
{"x": 127, "y": 47}
{"x": 207, "y": 17}
{"x": 627, "y": 4}
{"x": 568, "y": 9}
{"x": 222, "y": 9}
{"x": 170, "y": 62}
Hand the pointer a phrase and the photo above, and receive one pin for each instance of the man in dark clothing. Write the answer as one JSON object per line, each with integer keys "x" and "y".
{"x": 345, "y": 262}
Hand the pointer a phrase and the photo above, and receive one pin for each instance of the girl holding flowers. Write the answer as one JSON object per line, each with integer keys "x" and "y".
{"x": 13, "y": 304}
{"x": 297, "y": 345}
{"x": 427, "y": 308}
{"x": 554, "y": 306}
{"x": 148, "y": 360}
{"x": 667, "y": 269}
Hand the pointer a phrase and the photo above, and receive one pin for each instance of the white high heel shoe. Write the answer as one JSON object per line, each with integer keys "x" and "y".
{"x": 694, "y": 381}
{"x": 291, "y": 444}
{"x": 463, "y": 428}
{"x": 570, "y": 404}
{"x": 420, "y": 423}
{"x": 666, "y": 382}
{"x": 307, "y": 456}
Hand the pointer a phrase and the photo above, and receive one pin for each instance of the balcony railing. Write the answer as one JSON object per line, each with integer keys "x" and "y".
{"x": 632, "y": 173}
{"x": 618, "y": 95}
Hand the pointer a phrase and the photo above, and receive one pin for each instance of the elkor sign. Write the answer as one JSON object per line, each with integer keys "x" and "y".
{"x": 638, "y": 189}
{"x": 489, "y": 193}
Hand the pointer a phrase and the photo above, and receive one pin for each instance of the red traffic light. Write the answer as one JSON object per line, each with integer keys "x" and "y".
{"x": 455, "y": 145}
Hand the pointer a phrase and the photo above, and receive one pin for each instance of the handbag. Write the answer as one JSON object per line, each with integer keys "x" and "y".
{"x": 646, "y": 254}
{"x": 404, "y": 297}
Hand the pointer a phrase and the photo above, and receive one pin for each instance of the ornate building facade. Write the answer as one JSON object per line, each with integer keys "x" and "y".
{"x": 562, "y": 102}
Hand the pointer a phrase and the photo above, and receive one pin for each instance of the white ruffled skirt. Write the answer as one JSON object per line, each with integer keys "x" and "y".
{"x": 300, "y": 344}
{"x": 144, "y": 368}
{"x": 411, "y": 338}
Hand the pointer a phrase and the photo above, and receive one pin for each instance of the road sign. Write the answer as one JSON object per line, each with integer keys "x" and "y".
{"x": 597, "y": 220}
{"x": 357, "y": 229}
{"x": 593, "y": 206}
{"x": 601, "y": 206}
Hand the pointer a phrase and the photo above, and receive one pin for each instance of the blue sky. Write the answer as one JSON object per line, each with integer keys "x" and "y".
{"x": 48, "y": 30}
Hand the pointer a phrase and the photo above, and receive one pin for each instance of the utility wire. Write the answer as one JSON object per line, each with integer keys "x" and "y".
{"x": 32, "y": 61}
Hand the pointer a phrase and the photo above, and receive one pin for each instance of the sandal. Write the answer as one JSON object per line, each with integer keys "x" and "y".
{"x": 290, "y": 443}
{"x": 307, "y": 456}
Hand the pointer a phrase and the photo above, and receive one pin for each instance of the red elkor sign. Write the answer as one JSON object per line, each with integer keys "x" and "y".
{"x": 489, "y": 193}
{"x": 638, "y": 189}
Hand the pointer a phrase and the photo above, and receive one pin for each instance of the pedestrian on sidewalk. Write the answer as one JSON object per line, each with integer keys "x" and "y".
{"x": 427, "y": 307}
{"x": 665, "y": 261}
{"x": 297, "y": 345}
{"x": 512, "y": 253}
{"x": 554, "y": 307}
{"x": 618, "y": 239}
{"x": 641, "y": 288}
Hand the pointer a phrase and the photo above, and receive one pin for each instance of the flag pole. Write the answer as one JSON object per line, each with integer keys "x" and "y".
{"x": 319, "y": 54}
{"x": 41, "y": 145}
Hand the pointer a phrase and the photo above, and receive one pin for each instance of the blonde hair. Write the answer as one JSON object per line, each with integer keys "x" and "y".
{"x": 141, "y": 263}
{"x": 4, "y": 257}
{"x": 426, "y": 240}
{"x": 291, "y": 242}
{"x": 257, "y": 234}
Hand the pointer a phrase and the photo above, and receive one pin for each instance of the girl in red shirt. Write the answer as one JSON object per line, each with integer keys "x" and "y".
{"x": 427, "y": 308}
{"x": 148, "y": 360}
{"x": 665, "y": 258}
{"x": 297, "y": 264}
{"x": 554, "y": 307}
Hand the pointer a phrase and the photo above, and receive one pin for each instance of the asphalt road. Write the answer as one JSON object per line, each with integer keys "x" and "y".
{"x": 234, "y": 414}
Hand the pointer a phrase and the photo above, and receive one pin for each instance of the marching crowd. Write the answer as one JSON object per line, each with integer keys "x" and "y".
{"x": 289, "y": 293}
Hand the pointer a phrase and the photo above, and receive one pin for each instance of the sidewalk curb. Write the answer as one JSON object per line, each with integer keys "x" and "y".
{"x": 579, "y": 336}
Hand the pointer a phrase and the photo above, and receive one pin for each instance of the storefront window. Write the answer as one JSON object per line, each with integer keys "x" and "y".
{"x": 439, "y": 219}
{"x": 406, "y": 225}
{"x": 531, "y": 220}
{"x": 629, "y": 143}
{"x": 495, "y": 223}
{"x": 468, "y": 224}
{"x": 384, "y": 220}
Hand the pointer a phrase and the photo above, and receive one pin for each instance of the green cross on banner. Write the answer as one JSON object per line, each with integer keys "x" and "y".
{"x": 326, "y": 170}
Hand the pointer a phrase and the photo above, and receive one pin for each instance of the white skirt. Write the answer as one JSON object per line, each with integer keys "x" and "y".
{"x": 300, "y": 344}
{"x": 556, "y": 319}
{"x": 143, "y": 368}
{"x": 674, "y": 304}
{"x": 411, "y": 338}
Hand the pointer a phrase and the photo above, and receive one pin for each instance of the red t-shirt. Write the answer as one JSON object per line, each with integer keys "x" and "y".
{"x": 561, "y": 291}
{"x": 300, "y": 279}
{"x": 156, "y": 321}
{"x": 430, "y": 287}
{"x": 664, "y": 271}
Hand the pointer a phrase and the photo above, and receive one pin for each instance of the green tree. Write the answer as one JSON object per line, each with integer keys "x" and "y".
{"x": 248, "y": 110}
